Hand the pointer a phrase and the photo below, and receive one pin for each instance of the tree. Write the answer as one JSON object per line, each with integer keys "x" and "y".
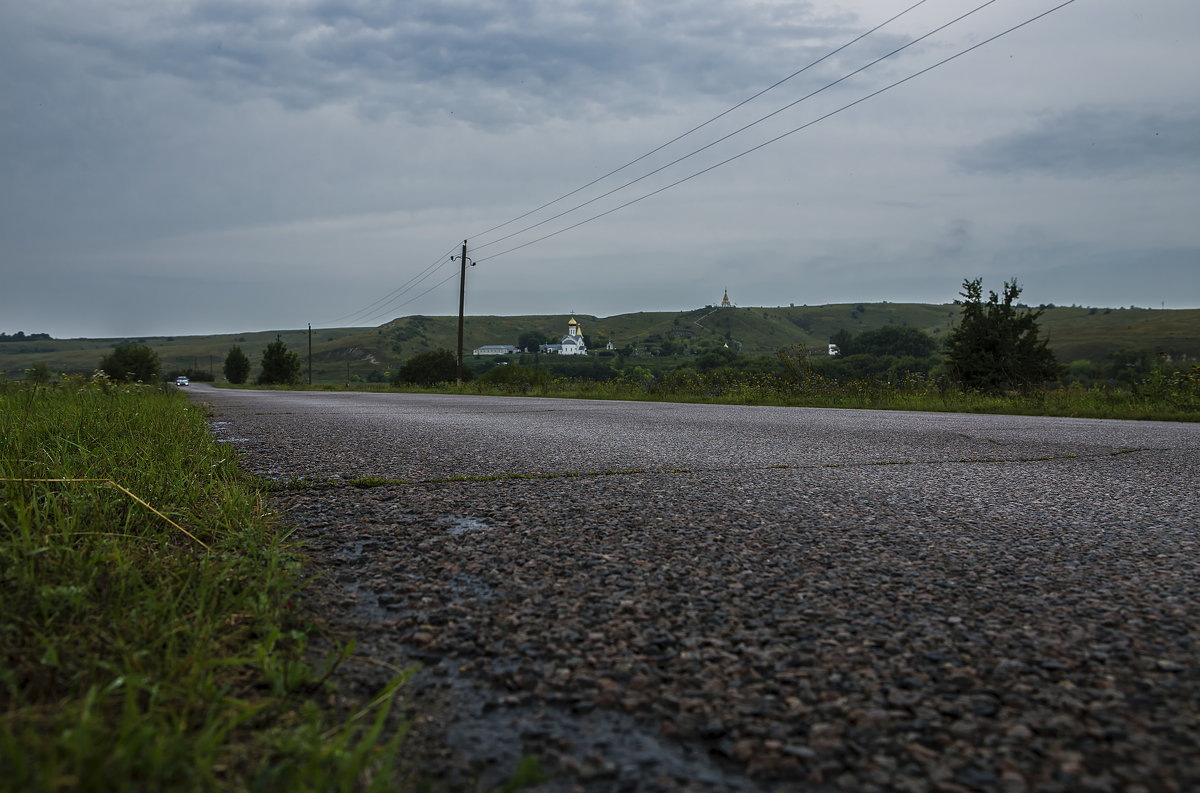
{"x": 895, "y": 340}
{"x": 280, "y": 366}
{"x": 530, "y": 340}
{"x": 237, "y": 366}
{"x": 996, "y": 347}
{"x": 843, "y": 340}
{"x": 435, "y": 366}
{"x": 131, "y": 363}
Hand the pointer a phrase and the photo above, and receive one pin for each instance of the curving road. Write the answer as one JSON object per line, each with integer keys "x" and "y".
{"x": 665, "y": 597}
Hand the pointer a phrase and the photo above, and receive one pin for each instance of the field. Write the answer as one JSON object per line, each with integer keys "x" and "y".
{"x": 345, "y": 354}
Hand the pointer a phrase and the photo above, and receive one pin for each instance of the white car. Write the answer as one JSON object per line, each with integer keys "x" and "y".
{"x": 182, "y": 381}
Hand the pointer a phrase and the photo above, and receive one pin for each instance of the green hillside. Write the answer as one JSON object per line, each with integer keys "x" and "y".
{"x": 204, "y": 353}
{"x": 1093, "y": 333}
{"x": 361, "y": 353}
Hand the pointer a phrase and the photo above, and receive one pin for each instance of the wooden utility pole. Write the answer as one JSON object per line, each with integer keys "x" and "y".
{"x": 310, "y": 353}
{"x": 462, "y": 301}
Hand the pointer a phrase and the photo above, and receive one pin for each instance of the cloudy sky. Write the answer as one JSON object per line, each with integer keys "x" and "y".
{"x": 198, "y": 166}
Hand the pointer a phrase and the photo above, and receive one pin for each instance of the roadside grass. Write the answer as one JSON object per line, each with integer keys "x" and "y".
{"x": 1163, "y": 396}
{"x": 152, "y": 644}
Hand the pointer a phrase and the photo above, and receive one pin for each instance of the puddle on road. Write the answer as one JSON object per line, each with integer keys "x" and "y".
{"x": 220, "y": 430}
{"x": 367, "y": 602}
{"x": 457, "y": 526}
{"x": 610, "y": 750}
{"x": 585, "y": 748}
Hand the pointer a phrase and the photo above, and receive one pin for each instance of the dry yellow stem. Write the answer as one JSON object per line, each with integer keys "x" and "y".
{"x": 124, "y": 490}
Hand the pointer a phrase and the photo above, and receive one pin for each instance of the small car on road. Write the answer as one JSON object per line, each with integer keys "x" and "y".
{"x": 182, "y": 381}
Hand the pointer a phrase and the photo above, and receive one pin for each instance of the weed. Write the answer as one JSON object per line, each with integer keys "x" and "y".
{"x": 1167, "y": 394}
{"x": 146, "y": 638}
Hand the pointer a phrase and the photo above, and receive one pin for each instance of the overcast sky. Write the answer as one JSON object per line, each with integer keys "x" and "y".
{"x": 177, "y": 167}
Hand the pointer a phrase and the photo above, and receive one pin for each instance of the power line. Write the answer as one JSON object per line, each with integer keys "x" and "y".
{"x": 698, "y": 127}
{"x": 386, "y": 303}
{"x": 412, "y": 299}
{"x": 724, "y": 138}
{"x": 395, "y": 293}
{"x": 408, "y": 286}
{"x": 778, "y": 138}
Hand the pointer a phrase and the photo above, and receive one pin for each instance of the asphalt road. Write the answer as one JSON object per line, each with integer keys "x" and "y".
{"x": 654, "y": 596}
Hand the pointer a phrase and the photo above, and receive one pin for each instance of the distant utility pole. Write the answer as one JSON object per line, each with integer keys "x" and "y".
{"x": 462, "y": 301}
{"x": 310, "y": 353}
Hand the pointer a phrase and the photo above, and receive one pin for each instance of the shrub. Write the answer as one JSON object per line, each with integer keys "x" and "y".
{"x": 280, "y": 366}
{"x": 237, "y": 366}
{"x": 517, "y": 379}
{"x": 435, "y": 366}
{"x": 131, "y": 363}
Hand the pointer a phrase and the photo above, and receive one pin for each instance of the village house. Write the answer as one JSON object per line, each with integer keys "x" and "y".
{"x": 496, "y": 349}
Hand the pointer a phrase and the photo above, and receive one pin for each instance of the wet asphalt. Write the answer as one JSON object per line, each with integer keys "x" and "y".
{"x": 654, "y": 596}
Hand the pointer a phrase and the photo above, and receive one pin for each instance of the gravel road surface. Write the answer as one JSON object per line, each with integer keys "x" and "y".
{"x": 658, "y": 597}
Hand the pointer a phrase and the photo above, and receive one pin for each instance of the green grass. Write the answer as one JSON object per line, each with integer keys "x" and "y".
{"x": 1174, "y": 397}
{"x": 1163, "y": 396}
{"x": 152, "y": 644}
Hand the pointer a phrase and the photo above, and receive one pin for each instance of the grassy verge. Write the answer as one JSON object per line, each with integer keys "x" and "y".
{"x": 1160, "y": 397}
{"x": 147, "y": 640}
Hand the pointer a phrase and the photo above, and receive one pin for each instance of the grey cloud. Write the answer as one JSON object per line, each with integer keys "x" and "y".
{"x": 956, "y": 241}
{"x": 1090, "y": 142}
{"x": 246, "y": 143}
{"x": 413, "y": 57}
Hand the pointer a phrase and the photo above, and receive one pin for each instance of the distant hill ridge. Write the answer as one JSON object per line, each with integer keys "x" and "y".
{"x": 1075, "y": 333}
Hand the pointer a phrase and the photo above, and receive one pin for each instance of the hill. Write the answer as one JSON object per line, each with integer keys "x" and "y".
{"x": 369, "y": 353}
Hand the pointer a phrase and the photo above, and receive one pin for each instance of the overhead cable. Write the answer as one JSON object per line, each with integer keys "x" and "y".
{"x": 698, "y": 127}
{"x": 407, "y": 286}
{"x": 386, "y": 303}
{"x": 780, "y": 137}
{"x": 412, "y": 299}
{"x": 740, "y": 130}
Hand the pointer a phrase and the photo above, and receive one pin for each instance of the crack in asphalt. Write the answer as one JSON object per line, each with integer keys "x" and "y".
{"x": 367, "y": 482}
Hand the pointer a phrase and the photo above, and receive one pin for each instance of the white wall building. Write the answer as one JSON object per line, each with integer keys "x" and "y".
{"x": 572, "y": 343}
{"x": 496, "y": 349}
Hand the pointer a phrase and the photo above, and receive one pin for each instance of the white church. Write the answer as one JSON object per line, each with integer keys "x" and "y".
{"x": 571, "y": 344}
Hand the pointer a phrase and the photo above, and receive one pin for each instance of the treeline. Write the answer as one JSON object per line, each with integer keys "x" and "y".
{"x": 23, "y": 336}
{"x": 139, "y": 363}
{"x": 996, "y": 347}
{"x": 1125, "y": 367}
